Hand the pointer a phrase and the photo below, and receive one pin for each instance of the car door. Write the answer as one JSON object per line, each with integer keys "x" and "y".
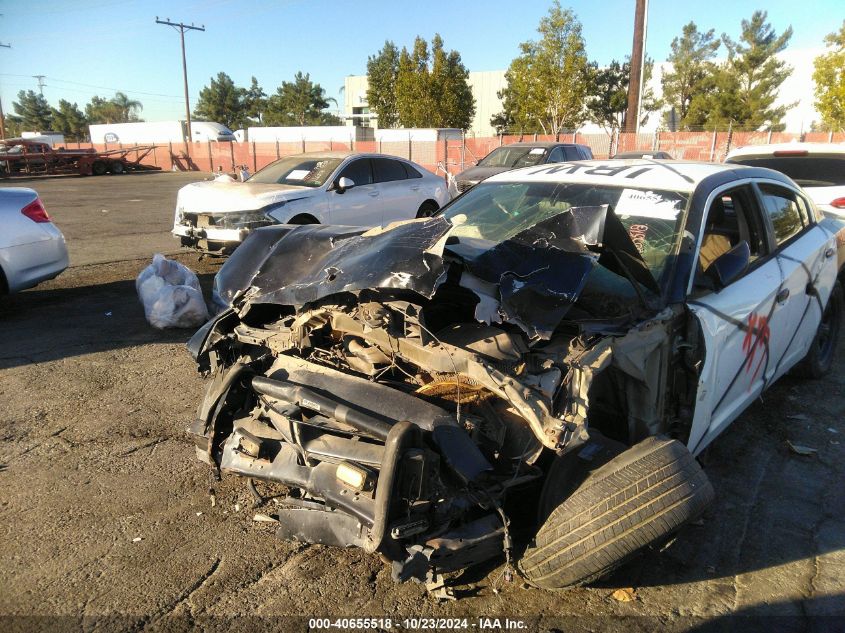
{"x": 401, "y": 197}
{"x": 739, "y": 323}
{"x": 359, "y": 205}
{"x": 804, "y": 251}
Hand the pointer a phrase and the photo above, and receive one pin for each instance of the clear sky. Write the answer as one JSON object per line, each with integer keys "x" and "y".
{"x": 87, "y": 47}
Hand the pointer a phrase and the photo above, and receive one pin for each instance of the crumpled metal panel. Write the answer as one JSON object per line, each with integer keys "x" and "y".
{"x": 539, "y": 273}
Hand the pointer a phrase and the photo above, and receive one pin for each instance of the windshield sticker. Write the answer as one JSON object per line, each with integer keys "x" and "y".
{"x": 537, "y": 150}
{"x": 637, "y": 233}
{"x": 647, "y": 204}
{"x": 298, "y": 174}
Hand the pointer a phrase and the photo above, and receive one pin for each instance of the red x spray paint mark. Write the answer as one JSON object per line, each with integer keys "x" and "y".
{"x": 756, "y": 341}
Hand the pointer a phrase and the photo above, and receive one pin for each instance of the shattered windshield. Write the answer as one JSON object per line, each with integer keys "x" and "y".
{"x": 512, "y": 157}
{"x": 297, "y": 171}
{"x": 491, "y": 213}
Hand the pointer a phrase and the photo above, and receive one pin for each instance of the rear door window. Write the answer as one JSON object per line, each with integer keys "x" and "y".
{"x": 556, "y": 156}
{"x": 387, "y": 170}
{"x": 411, "y": 171}
{"x": 571, "y": 153}
{"x": 786, "y": 211}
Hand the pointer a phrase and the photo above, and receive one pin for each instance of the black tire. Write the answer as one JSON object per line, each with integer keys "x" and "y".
{"x": 819, "y": 358}
{"x": 426, "y": 209}
{"x": 635, "y": 500}
{"x": 117, "y": 167}
{"x": 99, "y": 168}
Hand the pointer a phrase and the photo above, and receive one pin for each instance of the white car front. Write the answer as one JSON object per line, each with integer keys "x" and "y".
{"x": 327, "y": 188}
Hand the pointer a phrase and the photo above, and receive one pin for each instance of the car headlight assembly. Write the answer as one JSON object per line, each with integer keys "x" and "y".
{"x": 245, "y": 220}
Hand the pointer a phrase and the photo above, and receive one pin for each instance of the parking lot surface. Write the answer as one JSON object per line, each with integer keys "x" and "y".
{"x": 107, "y": 520}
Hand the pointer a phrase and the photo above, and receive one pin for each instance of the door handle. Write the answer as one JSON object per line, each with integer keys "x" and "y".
{"x": 782, "y": 296}
{"x": 415, "y": 188}
{"x": 373, "y": 194}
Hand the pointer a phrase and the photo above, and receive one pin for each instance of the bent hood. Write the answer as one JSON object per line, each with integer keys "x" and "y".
{"x": 222, "y": 197}
{"x": 532, "y": 278}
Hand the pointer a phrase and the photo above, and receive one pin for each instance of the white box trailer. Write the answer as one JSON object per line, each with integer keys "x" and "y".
{"x": 158, "y": 132}
{"x": 309, "y": 134}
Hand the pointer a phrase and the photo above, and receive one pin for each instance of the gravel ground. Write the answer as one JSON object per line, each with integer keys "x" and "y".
{"x": 106, "y": 520}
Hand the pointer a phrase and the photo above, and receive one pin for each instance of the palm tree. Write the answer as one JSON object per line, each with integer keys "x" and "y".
{"x": 126, "y": 109}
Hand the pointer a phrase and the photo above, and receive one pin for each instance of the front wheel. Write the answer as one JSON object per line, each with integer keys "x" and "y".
{"x": 819, "y": 358}
{"x": 427, "y": 209}
{"x": 99, "y": 168}
{"x": 637, "y": 499}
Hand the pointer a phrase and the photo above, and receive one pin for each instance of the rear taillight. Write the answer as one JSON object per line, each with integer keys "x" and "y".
{"x": 35, "y": 211}
{"x": 791, "y": 152}
{"x": 839, "y": 203}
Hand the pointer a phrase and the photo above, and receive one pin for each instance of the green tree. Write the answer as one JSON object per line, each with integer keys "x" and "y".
{"x": 829, "y": 75}
{"x": 70, "y": 121}
{"x": 255, "y": 102}
{"x": 300, "y": 102}
{"x": 119, "y": 109}
{"x": 609, "y": 95}
{"x": 454, "y": 105}
{"x": 691, "y": 64}
{"x": 382, "y": 69}
{"x": 33, "y": 111}
{"x": 127, "y": 109}
{"x": 414, "y": 102}
{"x": 221, "y": 101}
{"x": 548, "y": 81}
{"x": 742, "y": 91}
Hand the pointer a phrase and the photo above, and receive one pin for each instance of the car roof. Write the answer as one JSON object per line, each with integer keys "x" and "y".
{"x": 541, "y": 144}
{"x": 344, "y": 154}
{"x": 771, "y": 148}
{"x": 673, "y": 175}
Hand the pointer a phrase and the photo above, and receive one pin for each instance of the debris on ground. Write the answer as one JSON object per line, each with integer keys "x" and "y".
{"x": 626, "y": 594}
{"x": 264, "y": 518}
{"x": 171, "y": 295}
{"x": 799, "y": 449}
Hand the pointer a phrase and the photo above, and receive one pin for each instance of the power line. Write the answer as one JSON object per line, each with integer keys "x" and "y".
{"x": 79, "y": 83}
{"x": 182, "y": 28}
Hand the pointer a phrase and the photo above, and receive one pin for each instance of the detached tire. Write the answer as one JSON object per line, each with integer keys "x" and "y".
{"x": 819, "y": 358}
{"x": 636, "y": 499}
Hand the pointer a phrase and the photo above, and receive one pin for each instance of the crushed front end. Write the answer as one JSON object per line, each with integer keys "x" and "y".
{"x": 358, "y": 371}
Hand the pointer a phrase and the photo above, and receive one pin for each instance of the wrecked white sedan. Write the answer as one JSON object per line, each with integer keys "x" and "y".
{"x": 528, "y": 374}
{"x": 321, "y": 188}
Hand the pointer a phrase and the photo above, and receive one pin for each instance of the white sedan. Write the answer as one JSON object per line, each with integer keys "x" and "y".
{"x": 818, "y": 167}
{"x": 345, "y": 188}
{"x": 32, "y": 249}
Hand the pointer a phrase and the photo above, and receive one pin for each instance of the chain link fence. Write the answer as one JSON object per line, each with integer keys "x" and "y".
{"x": 454, "y": 155}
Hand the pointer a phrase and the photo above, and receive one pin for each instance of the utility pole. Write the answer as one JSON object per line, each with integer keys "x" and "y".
{"x": 182, "y": 28}
{"x": 40, "y": 79}
{"x": 635, "y": 81}
{"x": 2, "y": 118}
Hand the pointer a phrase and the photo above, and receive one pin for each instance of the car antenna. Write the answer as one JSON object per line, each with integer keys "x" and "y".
{"x": 670, "y": 168}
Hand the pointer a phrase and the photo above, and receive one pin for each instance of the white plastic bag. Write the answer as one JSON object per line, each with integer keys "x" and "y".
{"x": 171, "y": 295}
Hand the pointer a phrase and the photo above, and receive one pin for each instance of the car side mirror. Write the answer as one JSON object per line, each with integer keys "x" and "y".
{"x": 343, "y": 184}
{"x": 730, "y": 266}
